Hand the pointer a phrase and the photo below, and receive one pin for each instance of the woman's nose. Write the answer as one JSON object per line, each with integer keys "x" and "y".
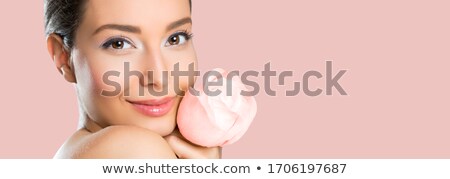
{"x": 156, "y": 74}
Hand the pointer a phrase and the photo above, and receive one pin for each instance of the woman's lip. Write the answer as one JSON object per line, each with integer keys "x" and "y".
{"x": 153, "y": 102}
{"x": 154, "y": 108}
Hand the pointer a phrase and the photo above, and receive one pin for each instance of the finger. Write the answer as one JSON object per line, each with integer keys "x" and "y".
{"x": 186, "y": 150}
{"x": 182, "y": 148}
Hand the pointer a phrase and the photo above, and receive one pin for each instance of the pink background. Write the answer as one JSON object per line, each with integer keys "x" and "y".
{"x": 397, "y": 54}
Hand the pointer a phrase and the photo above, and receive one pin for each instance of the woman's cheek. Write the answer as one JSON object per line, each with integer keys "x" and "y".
{"x": 108, "y": 80}
{"x": 102, "y": 89}
{"x": 108, "y": 74}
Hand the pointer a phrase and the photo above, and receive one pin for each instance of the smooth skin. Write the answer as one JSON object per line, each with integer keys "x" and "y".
{"x": 152, "y": 35}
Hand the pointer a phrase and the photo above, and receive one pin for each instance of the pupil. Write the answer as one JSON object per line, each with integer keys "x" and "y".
{"x": 118, "y": 45}
{"x": 174, "y": 40}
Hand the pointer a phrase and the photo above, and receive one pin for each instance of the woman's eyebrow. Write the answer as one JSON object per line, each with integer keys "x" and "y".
{"x": 178, "y": 23}
{"x": 125, "y": 28}
{"x": 137, "y": 30}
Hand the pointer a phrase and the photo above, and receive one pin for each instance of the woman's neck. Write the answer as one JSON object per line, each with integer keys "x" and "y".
{"x": 85, "y": 122}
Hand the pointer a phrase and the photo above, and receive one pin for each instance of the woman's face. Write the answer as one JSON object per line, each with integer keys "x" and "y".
{"x": 149, "y": 35}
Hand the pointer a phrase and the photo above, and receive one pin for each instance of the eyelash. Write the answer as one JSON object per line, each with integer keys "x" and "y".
{"x": 109, "y": 42}
{"x": 188, "y": 36}
{"x": 185, "y": 33}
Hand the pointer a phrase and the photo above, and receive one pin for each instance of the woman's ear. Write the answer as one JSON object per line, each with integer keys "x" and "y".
{"x": 60, "y": 57}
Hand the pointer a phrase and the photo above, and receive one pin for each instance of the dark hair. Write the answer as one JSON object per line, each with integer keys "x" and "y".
{"x": 63, "y": 17}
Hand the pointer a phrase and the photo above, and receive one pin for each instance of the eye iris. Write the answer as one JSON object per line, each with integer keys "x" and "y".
{"x": 174, "y": 40}
{"x": 117, "y": 45}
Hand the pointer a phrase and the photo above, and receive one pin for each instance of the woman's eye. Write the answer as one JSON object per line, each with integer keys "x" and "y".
{"x": 117, "y": 44}
{"x": 178, "y": 39}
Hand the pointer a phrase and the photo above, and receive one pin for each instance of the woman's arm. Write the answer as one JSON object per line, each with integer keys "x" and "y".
{"x": 121, "y": 142}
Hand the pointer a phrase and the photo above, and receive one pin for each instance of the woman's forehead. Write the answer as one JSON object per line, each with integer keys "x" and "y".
{"x": 142, "y": 13}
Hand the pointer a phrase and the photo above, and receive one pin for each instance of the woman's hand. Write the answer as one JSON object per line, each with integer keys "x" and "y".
{"x": 186, "y": 150}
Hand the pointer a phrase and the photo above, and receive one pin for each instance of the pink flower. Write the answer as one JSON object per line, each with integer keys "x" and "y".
{"x": 219, "y": 120}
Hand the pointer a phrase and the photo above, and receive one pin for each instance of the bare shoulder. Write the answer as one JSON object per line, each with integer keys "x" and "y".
{"x": 116, "y": 142}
